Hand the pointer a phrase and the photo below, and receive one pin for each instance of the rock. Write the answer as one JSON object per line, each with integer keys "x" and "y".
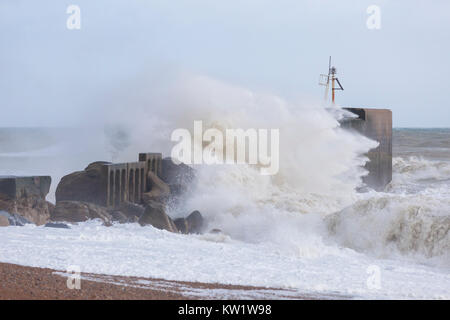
{"x": 181, "y": 225}
{"x": 18, "y": 220}
{"x": 4, "y": 222}
{"x": 56, "y": 225}
{"x": 32, "y": 209}
{"x": 176, "y": 173}
{"x": 177, "y": 176}
{"x": 51, "y": 207}
{"x": 12, "y": 219}
{"x": 127, "y": 212}
{"x": 89, "y": 185}
{"x": 27, "y": 209}
{"x": 195, "y": 222}
{"x": 120, "y": 217}
{"x": 70, "y": 211}
{"x": 192, "y": 224}
{"x": 159, "y": 190}
{"x": 25, "y": 196}
{"x": 132, "y": 210}
{"x": 77, "y": 211}
{"x": 156, "y": 216}
{"x": 215, "y": 231}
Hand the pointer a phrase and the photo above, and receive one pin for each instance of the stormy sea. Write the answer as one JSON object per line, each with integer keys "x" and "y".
{"x": 307, "y": 229}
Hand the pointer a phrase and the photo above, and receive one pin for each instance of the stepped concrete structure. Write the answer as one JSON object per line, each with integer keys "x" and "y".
{"x": 375, "y": 124}
{"x": 127, "y": 182}
{"x": 110, "y": 185}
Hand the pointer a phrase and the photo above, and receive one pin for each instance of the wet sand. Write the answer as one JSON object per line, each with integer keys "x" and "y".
{"x": 20, "y": 282}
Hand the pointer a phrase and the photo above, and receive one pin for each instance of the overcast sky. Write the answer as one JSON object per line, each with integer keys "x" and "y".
{"x": 50, "y": 75}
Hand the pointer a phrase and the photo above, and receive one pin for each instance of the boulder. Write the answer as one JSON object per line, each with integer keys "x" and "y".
{"x": 192, "y": 224}
{"x": 131, "y": 211}
{"x": 156, "y": 216}
{"x": 70, "y": 211}
{"x": 127, "y": 212}
{"x": 89, "y": 185}
{"x": 56, "y": 225}
{"x": 51, "y": 207}
{"x": 159, "y": 190}
{"x": 25, "y": 196}
{"x": 195, "y": 222}
{"x": 34, "y": 210}
{"x": 12, "y": 219}
{"x": 177, "y": 176}
{"x": 77, "y": 211}
{"x": 173, "y": 173}
{"x": 4, "y": 222}
{"x": 119, "y": 217}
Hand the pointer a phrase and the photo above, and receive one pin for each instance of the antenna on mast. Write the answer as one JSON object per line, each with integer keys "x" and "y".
{"x": 325, "y": 80}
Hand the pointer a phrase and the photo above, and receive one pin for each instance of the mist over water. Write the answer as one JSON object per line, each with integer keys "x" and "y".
{"x": 309, "y": 209}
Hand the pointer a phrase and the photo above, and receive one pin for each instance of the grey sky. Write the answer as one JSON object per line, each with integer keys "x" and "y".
{"x": 50, "y": 75}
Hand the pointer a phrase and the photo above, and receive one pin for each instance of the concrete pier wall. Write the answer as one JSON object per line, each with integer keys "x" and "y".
{"x": 375, "y": 124}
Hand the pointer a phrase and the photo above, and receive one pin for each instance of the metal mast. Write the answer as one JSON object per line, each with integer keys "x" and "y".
{"x": 325, "y": 80}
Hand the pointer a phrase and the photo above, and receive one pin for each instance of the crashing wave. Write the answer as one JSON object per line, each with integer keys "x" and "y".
{"x": 387, "y": 225}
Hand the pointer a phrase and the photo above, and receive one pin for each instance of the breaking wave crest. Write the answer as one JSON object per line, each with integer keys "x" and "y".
{"x": 312, "y": 199}
{"x": 387, "y": 225}
{"x": 320, "y": 166}
{"x": 411, "y": 219}
{"x": 419, "y": 170}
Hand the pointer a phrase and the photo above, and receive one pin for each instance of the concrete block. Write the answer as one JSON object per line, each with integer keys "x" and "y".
{"x": 13, "y": 188}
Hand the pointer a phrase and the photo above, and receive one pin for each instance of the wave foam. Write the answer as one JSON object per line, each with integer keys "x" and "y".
{"x": 387, "y": 225}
